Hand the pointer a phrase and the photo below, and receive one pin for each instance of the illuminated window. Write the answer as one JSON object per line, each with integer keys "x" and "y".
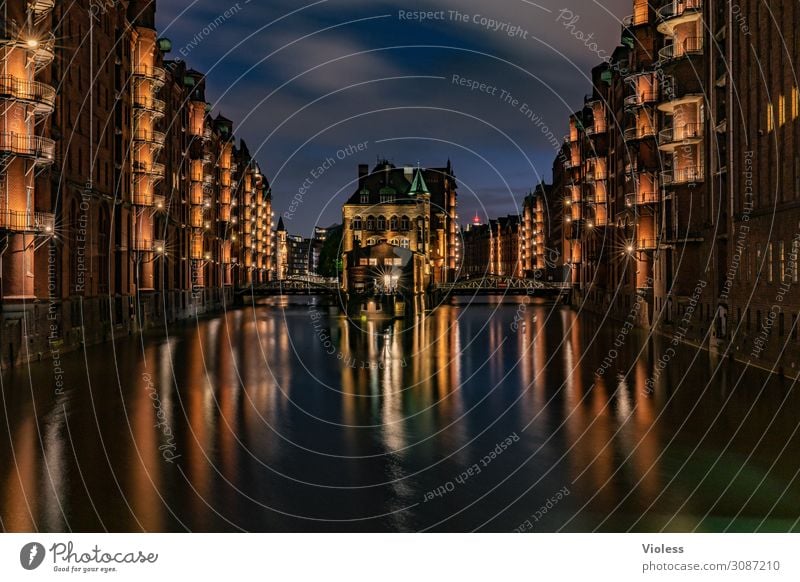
{"x": 781, "y": 262}
{"x": 770, "y": 271}
{"x": 781, "y": 111}
{"x": 795, "y": 103}
{"x": 770, "y": 117}
{"x": 793, "y": 259}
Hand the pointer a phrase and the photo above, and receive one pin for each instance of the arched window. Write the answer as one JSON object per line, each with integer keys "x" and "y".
{"x": 404, "y": 243}
{"x": 356, "y": 224}
{"x": 381, "y": 223}
{"x": 405, "y": 224}
{"x": 393, "y": 223}
{"x": 370, "y": 223}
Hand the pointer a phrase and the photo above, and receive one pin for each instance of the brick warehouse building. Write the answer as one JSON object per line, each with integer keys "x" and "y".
{"x": 678, "y": 183}
{"x": 123, "y": 202}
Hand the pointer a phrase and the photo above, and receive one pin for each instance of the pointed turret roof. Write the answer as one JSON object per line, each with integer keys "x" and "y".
{"x": 281, "y": 228}
{"x": 418, "y": 186}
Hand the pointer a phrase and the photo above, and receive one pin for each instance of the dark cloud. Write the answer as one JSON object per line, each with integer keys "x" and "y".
{"x": 302, "y": 87}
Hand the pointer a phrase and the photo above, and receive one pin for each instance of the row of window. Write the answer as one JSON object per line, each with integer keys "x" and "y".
{"x": 371, "y": 223}
{"x": 389, "y": 262}
{"x": 397, "y": 242}
{"x": 780, "y": 263}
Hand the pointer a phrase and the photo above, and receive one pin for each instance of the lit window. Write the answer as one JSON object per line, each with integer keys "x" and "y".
{"x": 373, "y": 262}
{"x": 793, "y": 259}
{"x": 795, "y": 103}
{"x": 770, "y": 272}
{"x": 770, "y": 117}
{"x": 781, "y": 111}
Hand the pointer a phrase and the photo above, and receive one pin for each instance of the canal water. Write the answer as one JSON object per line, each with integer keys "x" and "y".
{"x": 485, "y": 414}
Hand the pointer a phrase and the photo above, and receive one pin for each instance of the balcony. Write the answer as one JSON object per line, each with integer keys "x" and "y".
{"x": 639, "y": 18}
{"x": 153, "y": 138}
{"x": 142, "y": 244}
{"x": 598, "y": 128}
{"x": 41, "y": 7}
{"x": 154, "y": 170}
{"x": 682, "y": 176}
{"x": 595, "y": 176}
{"x": 678, "y": 12}
{"x": 40, "y": 149}
{"x": 646, "y": 244}
{"x": 196, "y": 219}
{"x": 151, "y": 105}
{"x": 225, "y": 195}
{"x": 156, "y": 75}
{"x": 42, "y": 49}
{"x": 674, "y": 137}
{"x": 40, "y": 95}
{"x": 639, "y": 133}
{"x": 142, "y": 194}
{"x": 687, "y": 48}
{"x": 641, "y": 99}
{"x": 42, "y": 223}
{"x": 674, "y": 94}
{"x": 642, "y": 198}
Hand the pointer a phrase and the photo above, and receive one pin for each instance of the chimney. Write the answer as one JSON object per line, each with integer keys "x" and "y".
{"x": 363, "y": 172}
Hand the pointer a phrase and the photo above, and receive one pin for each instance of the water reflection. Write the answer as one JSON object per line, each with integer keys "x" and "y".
{"x": 271, "y": 418}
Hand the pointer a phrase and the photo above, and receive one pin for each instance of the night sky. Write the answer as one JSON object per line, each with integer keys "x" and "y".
{"x": 306, "y": 81}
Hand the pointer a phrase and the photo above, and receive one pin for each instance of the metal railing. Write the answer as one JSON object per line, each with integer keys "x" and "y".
{"x": 44, "y": 50}
{"x": 43, "y": 95}
{"x": 679, "y": 134}
{"x": 690, "y": 175}
{"x": 149, "y": 104}
{"x": 155, "y": 137}
{"x": 678, "y": 8}
{"x": 26, "y": 221}
{"x": 639, "y": 132}
{"x": 641, "y": 99}
{"x": 154, "y": 169}
{"x": 150, "y": 73}
{"x": 42, "y": 149}
{"x": 141, "y": 244}
{"x": 688, "y": 47}
{"x": 642, "y": 198}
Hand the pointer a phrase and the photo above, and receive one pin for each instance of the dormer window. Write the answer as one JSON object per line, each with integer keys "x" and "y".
{"x": 365, "y": 196}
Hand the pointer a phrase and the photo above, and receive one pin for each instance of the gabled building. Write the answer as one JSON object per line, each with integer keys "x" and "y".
{"x": 409, "y": 208}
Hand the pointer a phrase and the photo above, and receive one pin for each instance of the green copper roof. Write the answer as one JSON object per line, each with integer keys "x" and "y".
{"x": 418, "y": 186}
